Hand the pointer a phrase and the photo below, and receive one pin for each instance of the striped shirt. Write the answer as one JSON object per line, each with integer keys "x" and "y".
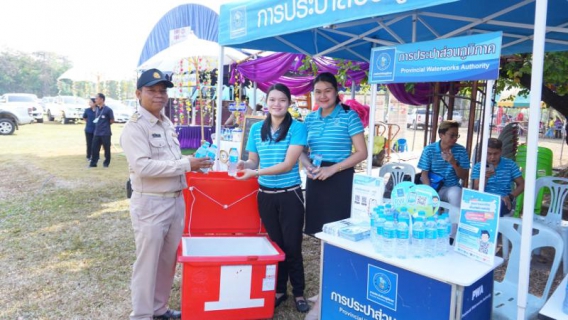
{"x": 271, "y": 154}
{"x": 431, "y": 160}
{"x": 331, "y": 136}
{"x": 500, "y": 183}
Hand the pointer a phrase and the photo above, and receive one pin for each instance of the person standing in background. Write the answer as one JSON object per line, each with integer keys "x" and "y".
{"x": 104, "y": 117}
{"x": 274, "y": 147}
{"x": 558, "y": 124}
{"x": 88, "y": 116}
{"x": 157, "y": 171}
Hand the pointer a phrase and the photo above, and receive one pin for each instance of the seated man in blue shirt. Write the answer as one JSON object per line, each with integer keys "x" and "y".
{"x": 500, "y": 173}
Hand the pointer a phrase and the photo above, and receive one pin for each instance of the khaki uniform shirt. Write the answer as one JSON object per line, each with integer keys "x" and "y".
{"x": 153, "y": 152}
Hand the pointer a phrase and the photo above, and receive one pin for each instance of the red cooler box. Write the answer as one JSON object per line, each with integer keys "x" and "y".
{"x": 229, "y": 266}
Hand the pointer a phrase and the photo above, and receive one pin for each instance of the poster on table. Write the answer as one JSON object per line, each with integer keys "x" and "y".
{"x": 367, "y": 194}
{"x": 415, "y": 198}
{"x": 478, "y": 225}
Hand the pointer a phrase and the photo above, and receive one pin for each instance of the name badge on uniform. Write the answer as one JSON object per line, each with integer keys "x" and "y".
{"x": 156, "y": 135}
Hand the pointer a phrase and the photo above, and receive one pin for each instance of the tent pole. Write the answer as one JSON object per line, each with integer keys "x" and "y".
{"x": 219, "y": 104}
{"x": 486, "y": 119}
{"x": 541, "y": 7}
{"x": 371, "y": 140}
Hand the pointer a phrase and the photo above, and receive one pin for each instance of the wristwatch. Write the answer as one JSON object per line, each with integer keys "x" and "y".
{"x": 511, "y": 197}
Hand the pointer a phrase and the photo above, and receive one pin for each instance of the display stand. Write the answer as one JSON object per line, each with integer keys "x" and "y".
{"x": 358, "y": 283}
{"x": 552, "y": 309}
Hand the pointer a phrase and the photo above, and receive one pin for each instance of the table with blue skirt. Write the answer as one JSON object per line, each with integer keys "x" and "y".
{"x": 190, "y": 136}
{"x": 358, "y": 283}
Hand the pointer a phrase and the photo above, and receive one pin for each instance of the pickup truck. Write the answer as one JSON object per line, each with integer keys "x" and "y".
{"x": 66, "y": 109}
{"x": 8, "y": 122}
{"x": 25, "y": 106}
{"x": 417, "y": 118}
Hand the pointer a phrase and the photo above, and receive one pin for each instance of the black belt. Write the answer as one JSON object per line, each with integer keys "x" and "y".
{"x": 277, "y": 190}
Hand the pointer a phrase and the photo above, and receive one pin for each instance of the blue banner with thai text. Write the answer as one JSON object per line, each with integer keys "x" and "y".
{"x": 244, "y": 21}
{"x": 456, "y": 59}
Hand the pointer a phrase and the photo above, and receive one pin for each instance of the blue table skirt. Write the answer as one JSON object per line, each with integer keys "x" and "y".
{"x": 190, "y": 136}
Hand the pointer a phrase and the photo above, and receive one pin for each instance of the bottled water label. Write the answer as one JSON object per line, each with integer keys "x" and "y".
{"x": 317, "y": 160}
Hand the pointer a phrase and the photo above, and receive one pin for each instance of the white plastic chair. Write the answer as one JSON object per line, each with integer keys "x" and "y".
{"x": 397, "y": 171}
{"x": 505, "y": 292}
{"x": 558, "y": 191}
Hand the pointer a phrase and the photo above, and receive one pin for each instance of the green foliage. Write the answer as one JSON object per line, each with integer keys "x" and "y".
{"x": 344, "y": 67}
{"x": 31, "y": 73}
{"x": 37, "y": 73}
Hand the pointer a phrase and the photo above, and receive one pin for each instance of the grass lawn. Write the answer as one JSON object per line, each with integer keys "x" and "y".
{"x": 67, "y": 242}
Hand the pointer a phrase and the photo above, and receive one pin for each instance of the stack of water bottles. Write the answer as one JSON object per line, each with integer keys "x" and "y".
{"x": 395, "y": 233}
{"x": 206, "y": 150}
{"x": 227, "y": 134}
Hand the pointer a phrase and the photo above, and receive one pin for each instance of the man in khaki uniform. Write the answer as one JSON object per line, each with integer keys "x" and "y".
{"x": 157, "y": 208}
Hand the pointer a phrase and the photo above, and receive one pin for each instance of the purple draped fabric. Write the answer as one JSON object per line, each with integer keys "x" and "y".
{"x": 272, "y": 69}
{"x": 190, "y": 136}
{"x": 421, "y": 95}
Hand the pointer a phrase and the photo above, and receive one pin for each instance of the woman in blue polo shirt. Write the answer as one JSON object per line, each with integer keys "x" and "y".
{"x": 333, "y": 131}
{"x": 274, "y": 146}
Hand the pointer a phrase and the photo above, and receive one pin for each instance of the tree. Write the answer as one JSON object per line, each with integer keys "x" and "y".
{"x": 516, "y": 72}
{"x": 31, "y": 73}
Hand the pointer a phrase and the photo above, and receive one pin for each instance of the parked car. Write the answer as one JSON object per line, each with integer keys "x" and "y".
{"x": 8, "y": 122}
{"x": 417, "y": 118}
{"x": 22, "y": 111}
{"x": 122, "y": 112}
{"x": 66, "y": 109}
{"x": 456, "y": 115}
{"x": 131, "y": 103}
{"x": 27, "y": 101}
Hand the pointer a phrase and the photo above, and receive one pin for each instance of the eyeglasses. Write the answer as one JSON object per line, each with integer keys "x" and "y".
{"x": 454, "y": 136}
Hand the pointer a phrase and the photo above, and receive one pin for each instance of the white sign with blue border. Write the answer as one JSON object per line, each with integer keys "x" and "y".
{"x": 474, "y": 57}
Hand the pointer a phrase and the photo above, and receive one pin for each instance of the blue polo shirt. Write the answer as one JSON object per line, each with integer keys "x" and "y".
{"x": 500, "y": 183}
{"x": 271, "y": 153}
{"x": 90, "y": 115}
{"x": 431, "y": 160}
{"x": 331, "y": 136}
{"x": 102, "y": 127}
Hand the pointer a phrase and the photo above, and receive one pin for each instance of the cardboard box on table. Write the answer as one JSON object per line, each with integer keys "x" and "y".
{"x": 229, "y": 265}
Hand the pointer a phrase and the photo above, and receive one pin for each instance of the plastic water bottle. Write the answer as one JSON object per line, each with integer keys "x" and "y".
{"x": 233, "y": 159}
{"x": 402, "y": 233}
{"x": 212, "y": 154}
{"x": 431, "y": 235}
{"x": 418, "y": 235}
{"x": 202, "y": 153}
{"x": 389, "y": 236}
{"x": 377, "y": 228}
{"x": 443, "y": 235}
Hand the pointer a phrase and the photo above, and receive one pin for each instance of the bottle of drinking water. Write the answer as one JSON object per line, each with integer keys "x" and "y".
{"x": 202, "y": 153}
{"x": 443, "y": 235}
{"x": 377, "y": 228}
{"x": 233, "y": 159}
{"x": 212, "y": 154}
{"x": 389, "y": 236}
{"x": 402, "y": 233}
{"x": 431, "y": 236}
{"x": 418, "y": 235}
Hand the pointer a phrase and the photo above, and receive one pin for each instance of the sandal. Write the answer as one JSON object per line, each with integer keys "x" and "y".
{"x": 280, "y": 299}
{"x": 302, "y": 305}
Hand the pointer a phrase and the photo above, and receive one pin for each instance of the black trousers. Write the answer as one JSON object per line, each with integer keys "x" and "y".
{"x": 89, "y": 137}
{"x": 283, "y": 217}
{"x": 99, "y": 141}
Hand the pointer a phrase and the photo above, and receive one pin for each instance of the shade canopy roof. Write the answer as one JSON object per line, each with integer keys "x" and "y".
{"x": 257, "y": 24}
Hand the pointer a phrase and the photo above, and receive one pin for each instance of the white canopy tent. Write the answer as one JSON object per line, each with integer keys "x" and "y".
{"x": 344, "y": 35}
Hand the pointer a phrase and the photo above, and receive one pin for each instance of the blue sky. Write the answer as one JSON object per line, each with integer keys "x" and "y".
{"x": 96, "y": 34}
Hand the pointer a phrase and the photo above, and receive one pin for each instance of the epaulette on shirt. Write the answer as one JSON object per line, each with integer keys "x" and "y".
{"x": 135, "y": 116}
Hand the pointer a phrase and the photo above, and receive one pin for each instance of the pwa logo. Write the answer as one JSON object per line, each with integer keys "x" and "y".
{"x": 477, "y": 293}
